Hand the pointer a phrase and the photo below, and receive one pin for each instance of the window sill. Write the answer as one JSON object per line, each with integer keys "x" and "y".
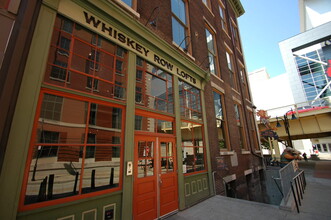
{"x": 224, "y": 152}
{"x": 127, "y": 8}
{"x": 245, "y": 152}
{"x": 186, "y": 52}
{"x": 209, "y": 9}
{"x": 217, "y": 77}
{"x": 233, "y": 89}
{"x": 226, "y": 33}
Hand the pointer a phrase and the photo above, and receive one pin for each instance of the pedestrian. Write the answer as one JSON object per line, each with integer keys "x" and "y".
{"x": 288, "y": 155}
{"x": 305, "y": 156}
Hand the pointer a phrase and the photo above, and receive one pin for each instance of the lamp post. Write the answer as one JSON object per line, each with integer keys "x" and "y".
{"x": 287, "y": 126}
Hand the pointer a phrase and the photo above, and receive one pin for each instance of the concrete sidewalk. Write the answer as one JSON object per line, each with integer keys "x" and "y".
{"x": 316, "y": 202}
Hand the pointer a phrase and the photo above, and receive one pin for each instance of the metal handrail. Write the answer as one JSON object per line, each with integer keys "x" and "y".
{"x": 300, "y": 185}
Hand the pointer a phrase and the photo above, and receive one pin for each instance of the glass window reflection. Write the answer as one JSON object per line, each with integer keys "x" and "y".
{"x": 65, "y": 159}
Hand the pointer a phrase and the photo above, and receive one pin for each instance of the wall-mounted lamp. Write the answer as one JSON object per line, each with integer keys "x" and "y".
{"x": 186, "y": 45}
{"x": 154, "y": 21}
{"x": 204, "y": 60}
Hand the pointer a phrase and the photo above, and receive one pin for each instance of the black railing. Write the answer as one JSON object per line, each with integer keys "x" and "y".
{"x": 300, "y": 185}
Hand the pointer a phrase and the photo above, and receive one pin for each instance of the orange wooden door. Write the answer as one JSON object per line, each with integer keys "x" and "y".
{"x": 155, "y": 177}
{"x": 168, "y": 176}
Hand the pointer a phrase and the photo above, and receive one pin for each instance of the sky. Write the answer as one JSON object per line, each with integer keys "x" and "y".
{"x": 264, "y": 24}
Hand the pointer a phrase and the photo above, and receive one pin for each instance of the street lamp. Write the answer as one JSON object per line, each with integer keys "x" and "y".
{"x": 287, "y": 126}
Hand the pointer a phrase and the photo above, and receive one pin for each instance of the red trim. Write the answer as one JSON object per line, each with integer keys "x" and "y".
{"x": 22, "y": 206}
{"x": 307, "y": 110}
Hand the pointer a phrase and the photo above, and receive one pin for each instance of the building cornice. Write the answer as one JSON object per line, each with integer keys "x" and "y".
{"x": 237, "y": 7}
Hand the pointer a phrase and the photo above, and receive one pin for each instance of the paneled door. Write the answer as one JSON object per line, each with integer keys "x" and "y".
{"x": 155, "y": 177}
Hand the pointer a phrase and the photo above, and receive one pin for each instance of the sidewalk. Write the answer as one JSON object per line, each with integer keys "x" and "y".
{"x": 315, "y": 203}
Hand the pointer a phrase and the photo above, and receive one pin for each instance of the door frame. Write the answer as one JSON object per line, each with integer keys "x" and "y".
{"x": 157, "y": 138}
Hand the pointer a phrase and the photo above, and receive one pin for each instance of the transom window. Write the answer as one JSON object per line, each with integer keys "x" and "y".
{"x": 82, "y": 60}
{"x": 179, "y": 24}
{"x": 154, "y": 87}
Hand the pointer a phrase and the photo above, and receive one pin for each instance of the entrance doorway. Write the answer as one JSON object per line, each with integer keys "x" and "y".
{"x": 155, "y": 177}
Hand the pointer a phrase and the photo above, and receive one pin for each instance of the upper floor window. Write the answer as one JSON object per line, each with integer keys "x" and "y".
{"x": 128, "y": 2}
{"x": 211, "y": 52}
{"x": 223, "y": 16}
{"x": 190, "y": 101}
{"x": 253, "y": 132}
{"x": 239, "y": 123}
{"x": 207, "y": 3}
{"x": 233, "y": 78}
{"x": 179, "y": 24}
{"x": 244, "y": 81}
{"x": 220, "y": 121}
{"x": 235, "y": 34}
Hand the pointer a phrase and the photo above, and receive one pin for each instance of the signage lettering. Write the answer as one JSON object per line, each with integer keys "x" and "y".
{"x": 91, "y": 20}
{"x": 163, "y": 62}
{"x": 116, "y": 35}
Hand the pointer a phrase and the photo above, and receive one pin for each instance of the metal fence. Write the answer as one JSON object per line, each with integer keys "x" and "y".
{"x": 299, "y": 182}
{"x": 286, "y": 175}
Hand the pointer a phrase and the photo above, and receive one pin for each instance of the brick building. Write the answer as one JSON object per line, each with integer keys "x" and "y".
{"x": 130, "y": 110}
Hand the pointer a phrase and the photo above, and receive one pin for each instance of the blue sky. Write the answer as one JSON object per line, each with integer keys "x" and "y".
{"x": 265, "y": 24}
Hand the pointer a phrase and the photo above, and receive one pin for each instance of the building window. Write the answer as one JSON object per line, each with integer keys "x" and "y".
{"x": 235, "y": 35}
{"x": 59, "y": 71}
{"x": 192, "y": 147}
{"x": 240, "y": 127}
{"x": 154, "y": 87}
{"x": 155, "y": 125}
{"x": 313, "y": 76}
{"x": 207, "y": 3}
{"x": 243, "y": 78}
{"x": 75, "y": 150}
{"x": 190, "y": 101}
{"x": 51, "y": 107}
{"x": 82, "y": 60}
{"x": 179, "y": 23}
{"x": 253, "y": 133}
{"x": 211, "y": 52}
{"x": 223, "y": 16}
{"x": 220, "y": 121}
{"x": 233, "y": 78}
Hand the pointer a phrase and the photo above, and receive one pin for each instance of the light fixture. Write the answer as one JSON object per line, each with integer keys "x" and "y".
{"x": 278, "y": 124}
{"x": 153, "y": 22}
